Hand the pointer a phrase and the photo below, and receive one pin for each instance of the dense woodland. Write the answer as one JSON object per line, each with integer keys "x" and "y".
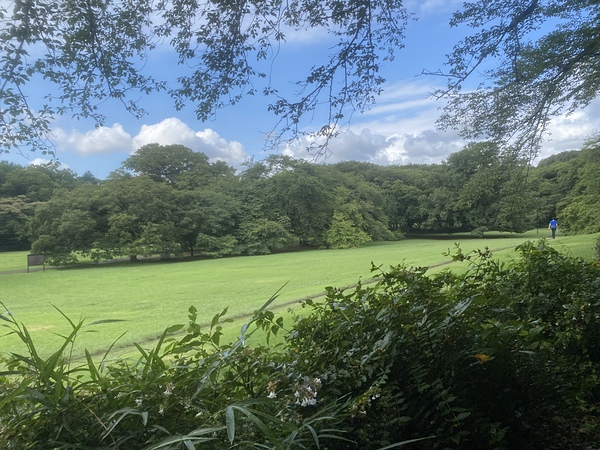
{"x": 171, "y": 200}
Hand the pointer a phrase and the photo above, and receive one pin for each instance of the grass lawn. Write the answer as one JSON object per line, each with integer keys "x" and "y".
{"x": 144, "y": 298}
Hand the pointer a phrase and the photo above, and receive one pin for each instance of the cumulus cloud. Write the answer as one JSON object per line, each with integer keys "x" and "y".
{"x": 45, "y": 161}
{"x": 570, "y": 132}
{"x": 401, "y": 129}
{"x": 425, "y": 147}
{"x": 207, "y": 141}
{"x": 168, "y": 131}
{"x": 39, "y": 162}
{"x": 98, "y": 140}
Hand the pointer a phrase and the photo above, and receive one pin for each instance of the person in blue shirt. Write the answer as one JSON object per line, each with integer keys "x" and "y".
{"x": 552, "y": 226}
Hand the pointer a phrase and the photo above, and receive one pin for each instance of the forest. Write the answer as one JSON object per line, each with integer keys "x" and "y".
{"x": 171, "y": 200}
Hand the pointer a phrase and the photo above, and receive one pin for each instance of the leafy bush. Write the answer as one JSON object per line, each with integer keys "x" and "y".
{"x": 501, "y": 357}
{"x": 182, "y": 393}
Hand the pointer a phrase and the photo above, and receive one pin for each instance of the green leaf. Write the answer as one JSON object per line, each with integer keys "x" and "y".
{"x": 174, "y": 328}
{"x": 403, "y": 443}
{"x": 463, "y": 415}
{"x": 91, "y": 367}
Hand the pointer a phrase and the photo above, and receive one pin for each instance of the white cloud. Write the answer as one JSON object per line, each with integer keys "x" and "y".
{"x": 401, "y": 129}
{"x": 425, "y": 147}
{"x": 569, "y": 132}
{"x": 168, "y": 131}
{"x": 44, "y": 161}
{"x": 213, "y": 145}
{"x": 38, "y": 162}
{"x": 174, "y": 131}
{"x": 98, "y": 140}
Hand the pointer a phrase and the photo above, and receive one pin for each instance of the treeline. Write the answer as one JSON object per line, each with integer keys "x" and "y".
{"x": 169, "y": 199}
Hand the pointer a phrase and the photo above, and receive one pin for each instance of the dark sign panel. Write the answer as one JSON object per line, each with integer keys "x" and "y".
{"x": 35, "y": 260}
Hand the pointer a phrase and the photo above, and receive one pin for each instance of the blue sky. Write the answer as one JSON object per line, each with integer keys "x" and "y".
{"x": 398, "y": 129}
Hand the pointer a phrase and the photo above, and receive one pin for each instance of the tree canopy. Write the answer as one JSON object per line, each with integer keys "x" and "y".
{"x": 176, "y": 202}
{"x": 539, "y": 58}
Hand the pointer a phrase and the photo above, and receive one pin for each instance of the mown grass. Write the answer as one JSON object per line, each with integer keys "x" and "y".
{"x": 142, "y": 299}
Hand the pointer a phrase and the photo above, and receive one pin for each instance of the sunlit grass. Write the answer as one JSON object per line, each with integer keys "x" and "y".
{"x": 144, "y": 298}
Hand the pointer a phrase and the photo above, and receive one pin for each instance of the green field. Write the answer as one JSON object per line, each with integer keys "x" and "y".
{"x": 144, "y": 298}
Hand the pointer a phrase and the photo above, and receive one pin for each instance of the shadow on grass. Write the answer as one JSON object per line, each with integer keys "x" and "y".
{"x": 470, "y": 236}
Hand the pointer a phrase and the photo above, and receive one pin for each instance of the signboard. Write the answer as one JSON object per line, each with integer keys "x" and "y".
{"x": 36, "y": 260}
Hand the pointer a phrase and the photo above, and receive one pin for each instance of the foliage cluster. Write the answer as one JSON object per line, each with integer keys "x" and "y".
{"x": 539, "y": 59}
{"x": 502, "y": 357}
{"x": 169, "y": 199}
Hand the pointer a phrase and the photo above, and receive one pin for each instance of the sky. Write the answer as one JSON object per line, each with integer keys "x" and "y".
{"x": 399, "y": 128}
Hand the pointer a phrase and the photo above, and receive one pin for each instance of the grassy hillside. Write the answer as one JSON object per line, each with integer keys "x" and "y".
{"x": 144, "y": 298}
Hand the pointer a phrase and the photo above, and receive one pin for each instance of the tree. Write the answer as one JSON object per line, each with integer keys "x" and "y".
{"x": 260, "y": 236}
{"x": 95, "y": 51}
{"x": 15, "y": 213}
{"x": 540, "y": 59}
{"x": 580, "y": 210}
{"x": 552, "y": 180}
{"x": 491, "y": 189}
{"x": 126, "y": 216}
{"x": 344, "y": 233}
{"x": 165, "y": 163}
{"x": 207, "y": 221}
{"x": 69, "y": 224}
{"x": 142, "y": 216}
{"x": 305, "y": 200}
{"x": 30, "y": 182}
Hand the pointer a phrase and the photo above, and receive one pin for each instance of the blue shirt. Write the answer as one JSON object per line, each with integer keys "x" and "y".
{"x": 553, "y": 224}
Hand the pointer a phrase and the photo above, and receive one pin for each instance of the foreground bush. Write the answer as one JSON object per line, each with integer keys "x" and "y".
{"x": 500, "y": 357}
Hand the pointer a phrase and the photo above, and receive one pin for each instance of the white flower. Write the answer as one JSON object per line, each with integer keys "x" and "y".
{"x": 272, "y": 394}
{"x": 308, "y": 402}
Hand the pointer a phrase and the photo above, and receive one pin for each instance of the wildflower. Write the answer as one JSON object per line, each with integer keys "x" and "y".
{"x": 168, "y": 389}
{"x": 306, "y": 394}
{"x": 482, "y": 357}
{"x": 271, "y": 387}
{"x": 308, "y": 401}
{"x": 138, "y": 402}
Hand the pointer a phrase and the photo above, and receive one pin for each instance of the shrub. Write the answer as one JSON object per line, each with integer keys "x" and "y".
{"x": 500, "y": 357}
{"x": 181, "y": 393}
